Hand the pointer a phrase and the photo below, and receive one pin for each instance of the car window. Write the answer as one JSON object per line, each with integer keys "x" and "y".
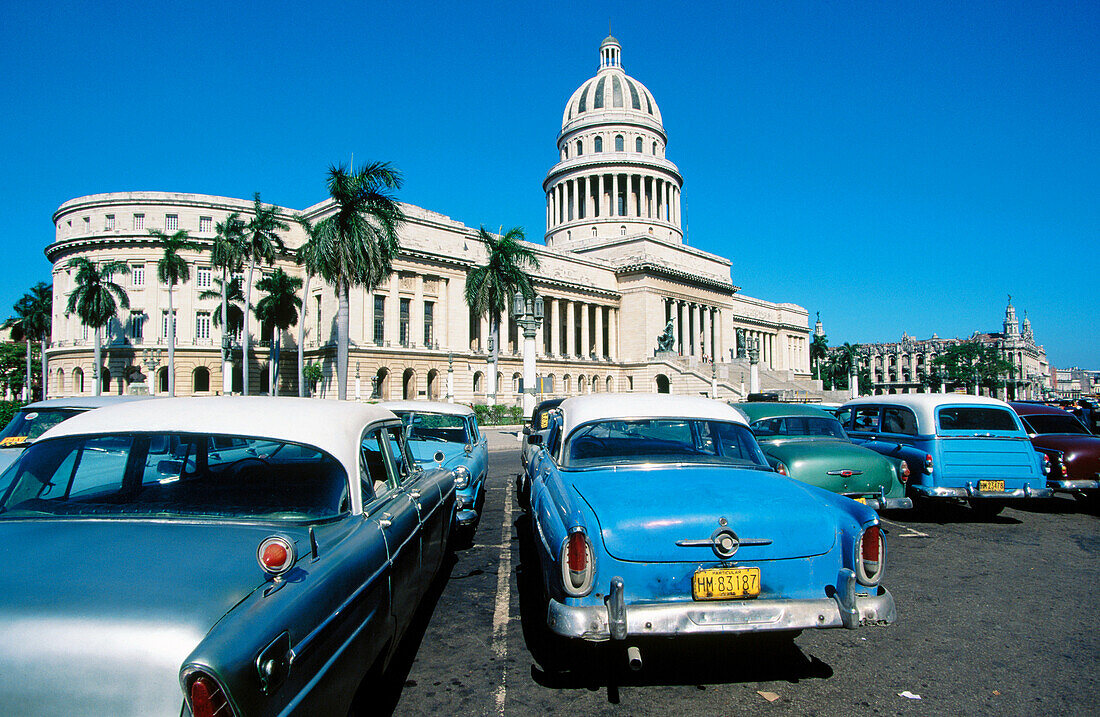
{"x": 798, "y": 427}
{"x": 844, "y": 415}
{"x": 440, "y": 427}
{"x": 665, "y": 440}
{"x": 404, "y": 466}
{"x": 29, "y": 425}
{"x": 375, "y": 470}
{"x": 1049, "y": 423}
{"x": 475, "y": 433}
{"x": 975, "y": 418}
{"x": 553, "y": 436}
{"x": 896, "y": 419}
{"x": 865, "y": 418}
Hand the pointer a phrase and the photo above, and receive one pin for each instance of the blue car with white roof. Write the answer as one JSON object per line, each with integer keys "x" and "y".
{"x": 446, "y": 435}
{"x": 659, "y": 516}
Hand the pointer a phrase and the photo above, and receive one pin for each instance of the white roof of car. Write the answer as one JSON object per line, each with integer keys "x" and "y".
{"x": 924, "y": 405}
{"x": 87, "y": 402}
{"x": 618, "y": 406}
{"x": 451, "y": 409}
{"x": 333, "y": 426}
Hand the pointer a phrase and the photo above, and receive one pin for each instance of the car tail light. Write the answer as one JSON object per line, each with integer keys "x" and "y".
{"x": 928, "y": 463}
{"x": 870, "y": 556}
{"x": 1046, "y": 464}
{"x": 577, "y": 566}
{"x": 276, "y": 555}
{"x": 1065, "y": 471}
{"x": 207, "y": 698}
{"x": 781, "y": 469}
{"x": 904, "y": 471}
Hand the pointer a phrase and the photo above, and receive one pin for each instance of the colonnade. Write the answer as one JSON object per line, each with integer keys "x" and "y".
{"x": 613, "y": 194}
{"x": 696, "y": 329}
{"x": 569, "y": 329}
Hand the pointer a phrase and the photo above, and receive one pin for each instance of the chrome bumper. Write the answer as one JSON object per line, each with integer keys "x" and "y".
{"x": 879, "y": 502}
{"x": 1074, "y": 485}
{"x": 616, "y": 620}
{"x": 466, "y": 517}
{"x": 969, "y": 491}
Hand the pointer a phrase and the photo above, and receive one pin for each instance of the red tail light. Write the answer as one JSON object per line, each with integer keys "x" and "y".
{"x": 781, "y": 469}
{"x": 1046, "y": 464}
{"x": 1065, "y": 471}
{"x": 577, "y": 567}
{"x": 871, "y": 556}
{"x": 904, "y": 471}
{"x": 928, "y": 463}
{"x": 207, "y": 698}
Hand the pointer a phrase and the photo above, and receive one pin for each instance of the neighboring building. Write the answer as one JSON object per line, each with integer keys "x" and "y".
{"x": 614, "y": 272}
{"x": 904, "y": 366}
{"x": 1076, "y": 382}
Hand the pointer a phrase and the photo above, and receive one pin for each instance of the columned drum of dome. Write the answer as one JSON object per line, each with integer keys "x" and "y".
{"x": 612, "y": 178}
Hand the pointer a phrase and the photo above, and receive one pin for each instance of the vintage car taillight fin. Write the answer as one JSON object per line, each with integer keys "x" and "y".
{"x": 207, "y": 698}
{"x": 870, "y": 556}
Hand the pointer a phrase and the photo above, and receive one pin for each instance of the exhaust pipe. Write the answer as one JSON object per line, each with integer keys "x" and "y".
{"x": 634, "y": 658}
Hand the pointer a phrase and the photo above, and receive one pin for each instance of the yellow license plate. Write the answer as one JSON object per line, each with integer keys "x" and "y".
{"x": 860, "y": 500}
{"x": 991, "y": 486}
{"x": 725, "y": 583}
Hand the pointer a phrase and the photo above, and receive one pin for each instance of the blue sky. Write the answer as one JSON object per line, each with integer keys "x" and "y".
{"x": 897, "y": 166}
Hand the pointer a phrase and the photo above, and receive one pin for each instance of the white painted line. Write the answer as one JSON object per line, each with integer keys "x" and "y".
{"x": 499, "y": 641}
{"x": 913, "y": 532}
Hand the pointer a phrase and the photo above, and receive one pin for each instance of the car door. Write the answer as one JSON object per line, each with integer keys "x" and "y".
{"x": 399, "y": 519}
{"x": 480, "y": 453}
{"x": 424, "y": 493}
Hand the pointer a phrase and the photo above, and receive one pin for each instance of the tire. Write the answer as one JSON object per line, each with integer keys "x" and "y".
{"x": 986, "y": 508}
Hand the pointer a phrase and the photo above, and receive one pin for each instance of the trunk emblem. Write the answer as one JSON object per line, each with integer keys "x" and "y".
{"x": 724, "y": 542}
{"x": 846, "y": 473}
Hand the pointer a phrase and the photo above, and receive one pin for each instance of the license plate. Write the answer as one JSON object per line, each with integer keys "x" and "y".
{"x": 860, "y": 500}
{"x": 725, "y": 583}
{"x": 991, "y": 486}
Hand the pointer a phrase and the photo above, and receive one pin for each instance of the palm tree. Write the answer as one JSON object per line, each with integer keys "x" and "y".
{"x": 172, "y": 270}
{"x": 226, "y": 254}
{"x": 819, "y": 348}
{"x": 260, "y": 244}
{"x": 32, "y": 321}
{"x": 234, "y": 298}
{"x": 279, "y": 310}
{"x": 358, "y": 243}
{"x": 96, "y": 300}
{"x": 490, "y": 288}
{"x": 309, "y": 257}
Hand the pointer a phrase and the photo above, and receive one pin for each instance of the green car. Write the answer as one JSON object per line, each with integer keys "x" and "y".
{"x": 809, "y": 444}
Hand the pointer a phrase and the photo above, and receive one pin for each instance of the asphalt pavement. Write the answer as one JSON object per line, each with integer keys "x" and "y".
{"x": 995, "y": 617}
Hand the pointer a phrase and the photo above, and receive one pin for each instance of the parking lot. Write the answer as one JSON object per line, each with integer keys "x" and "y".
{"x": 994, "y": 618}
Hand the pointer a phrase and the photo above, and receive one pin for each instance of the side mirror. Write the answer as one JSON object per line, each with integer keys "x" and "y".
{"x": 169, "y": 468}
{"x": 534, "y": 440}
{"x": 526, "y": 430}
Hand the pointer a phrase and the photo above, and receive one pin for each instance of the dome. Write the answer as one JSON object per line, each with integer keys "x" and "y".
{"x": 611, "y": 90}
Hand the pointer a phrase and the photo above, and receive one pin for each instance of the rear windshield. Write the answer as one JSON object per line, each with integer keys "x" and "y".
{"x": 28, "y": 425}
{"x": 1044, "y": 423}
{"x": 440, "y": 427}
{"x": 976, "y": 418}
{"x": 798, "y": 427}
{"x": 668, "y": 440}
{"x": 164, "y": 475}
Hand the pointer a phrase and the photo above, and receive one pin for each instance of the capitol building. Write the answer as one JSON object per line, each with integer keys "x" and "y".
{"x": 615, "y": 274}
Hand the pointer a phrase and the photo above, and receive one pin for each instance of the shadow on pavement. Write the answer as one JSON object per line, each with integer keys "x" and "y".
{"x": 564, "y": 664}
{"x": 945, "y": 512}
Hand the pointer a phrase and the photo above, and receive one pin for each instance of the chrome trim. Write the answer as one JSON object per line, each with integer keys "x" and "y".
{"x": 616, "y": 610}
{"x": 846, "y": 473}
{"x": 845, "y": 597}
{"x": 466, "y": 517}
{"x": 1085, "y": 484}
{"x": 970, "y": 492}
{"x": 709, "y": 542}
{"x": 592, "y": 623}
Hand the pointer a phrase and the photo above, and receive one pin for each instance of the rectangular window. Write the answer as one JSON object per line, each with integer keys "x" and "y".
{"x": 206, "y": 225}
{"x": 137, "y": 275}
{"x": 317, "y": 300}
{"x": 429, "y": 319}
{"x": 137, "y": 325}
{"x": 202, "y": 326}
{"x": 171, "y": 222}
{"x": 109, "y": 223}
{"x": 405, "y": 304}
{"x": 87, "y": 225}
{"x": 379, "y": 319}
{"x": 202, "y": 277}
{"x": 164, "y": 323}
{"x": 139, "y": 222}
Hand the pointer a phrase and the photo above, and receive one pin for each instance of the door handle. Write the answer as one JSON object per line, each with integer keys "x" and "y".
{"x": 387, "y": 520}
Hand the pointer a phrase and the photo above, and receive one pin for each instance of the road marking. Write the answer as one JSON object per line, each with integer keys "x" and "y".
{"x": 499, "y": 642}
{"x": 913, "y": 532}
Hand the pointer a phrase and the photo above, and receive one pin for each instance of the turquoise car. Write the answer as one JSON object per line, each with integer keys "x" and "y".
{"x": 959, "y": 447}
{"x": 446, "y": 435}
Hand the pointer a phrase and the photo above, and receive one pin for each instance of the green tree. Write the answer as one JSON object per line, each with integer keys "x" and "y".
{"x": 490, "y": 287}
{"x": 278, "y": 309}
{"x": 261, "y": 243}
{"x": 972, "y": 364}
{"x": 32, "y": 322}
{"x": 819, "y": 350}
{"x": 226, "y": 254}
{"x": 95, "y": 300}
{"x": 13, "y": 368}
{"x": 234, "y": 299}
{"x": 172, "y": 269}
{"x": 309, "y": 258}
{"x": 358, "y": 242}
{"x": 313, "y": 373}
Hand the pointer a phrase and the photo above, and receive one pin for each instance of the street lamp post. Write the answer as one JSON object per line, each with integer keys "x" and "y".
{"x": 450, "y": 377}
{"x": 529, "y": 314}
{"x": 150, "y": 358}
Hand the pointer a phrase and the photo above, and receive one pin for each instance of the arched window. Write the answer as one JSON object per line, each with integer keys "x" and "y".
{"x": 408, "y": 385}
{"x": 593, "y": 231}
{"x": 654, "y": 149}
{"x": 515, "y": 383}
{"x": 105, "y": 378}
{"x": 479, "y": 382}
{"x": 433, "y": 385}
{"x": 622, "y": 231}
{"x": 629, "y": 383}
{"x": 78, "y": 380}
{"x": 638, "y": 145}
{"x": 162, "y": 379}
{"x": 598, "y": 144}
{"x": 382, "y": 379}
{"x": 60, "y": 387}
{"x": 580, "y": 148}
{"x": 200, "y": 380}
{"x": 610, "y": 385}
{"x": 663, "y": 384}
{"x": 566, "y": 383}
{"x": 582, "y": 384}
{"x": 595, "y": 384}
{"x": 564, "y": 153}
{"x": 619, "y": 143}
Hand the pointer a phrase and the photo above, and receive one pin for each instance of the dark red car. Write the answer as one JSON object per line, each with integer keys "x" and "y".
{"x": 1074, "y": 452}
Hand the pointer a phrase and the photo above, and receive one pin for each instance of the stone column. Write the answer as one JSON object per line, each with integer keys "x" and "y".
{"x": 601, "y": 350}
{"x": 486, "y": 326}
{"x": 585, "y": 348}
{"x": 708, "y": 346}
{"x": 554, "y": 305}
{"x": 680, "y": 329}
{"x": 613, "y": 333}
{"x": 599, "y": 196}
{"x": 570, "y": 328}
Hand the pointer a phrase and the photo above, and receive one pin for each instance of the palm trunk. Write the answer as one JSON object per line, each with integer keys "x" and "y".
{"x": 171, "y": 345}
{"x": 29, "y": 393}
{"x": 247, "y": 340}
{"x": 42, "y": 357}
{"x": 273, "y": 363}
{"x": 227, "y": 369}
{"x": 302, "y": 338}
{"x": 491, "y": 399}
{"x": 97, "y": 379}
{"x": 342, "y": 320}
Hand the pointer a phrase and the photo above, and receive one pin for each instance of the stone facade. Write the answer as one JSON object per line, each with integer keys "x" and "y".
{"x": 613, "y": 275}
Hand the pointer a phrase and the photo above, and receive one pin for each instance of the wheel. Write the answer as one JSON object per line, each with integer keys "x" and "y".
{"x": 986, "y": 508}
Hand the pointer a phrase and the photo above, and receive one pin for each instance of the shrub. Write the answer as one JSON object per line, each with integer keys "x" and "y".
{"x": 7, "y": 411}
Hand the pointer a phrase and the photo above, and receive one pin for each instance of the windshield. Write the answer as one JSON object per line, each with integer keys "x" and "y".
{"x": 1050, "y": 423}
{"x": 976, "y": 418}
{"x": 28, "y": 425}
{"x": 173, "y": 474}
{"x": 666, "y": 440}
{"x": 798, "y": 427}
{"x": 444, "y": 427}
